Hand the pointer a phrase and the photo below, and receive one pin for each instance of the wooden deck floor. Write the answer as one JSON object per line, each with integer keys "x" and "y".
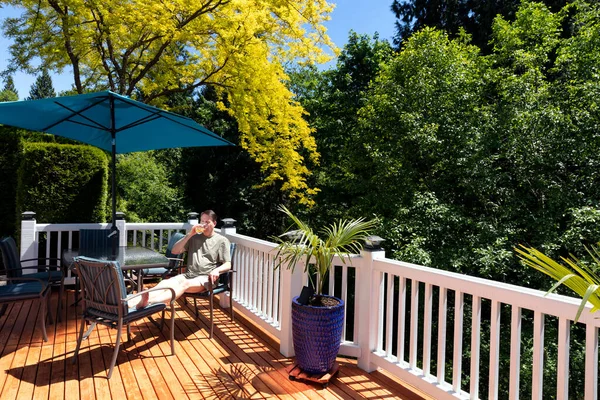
{"x": 239, "y": 363}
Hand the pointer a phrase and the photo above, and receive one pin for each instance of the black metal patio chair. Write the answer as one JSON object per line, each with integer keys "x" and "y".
{"x": 105, "y": 302}
{"x": 52, "y": 274}
{"x": 224, "y": 284}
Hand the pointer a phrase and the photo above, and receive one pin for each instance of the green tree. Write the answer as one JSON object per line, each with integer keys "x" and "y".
{"x": 333, "y": 98}
{"x": 145, "y": 192}
{"x": 9, "y": 92}
{"x": 475, "y": 16}
{"x": 42, "y": 88}
{"x": 151, "y": 49}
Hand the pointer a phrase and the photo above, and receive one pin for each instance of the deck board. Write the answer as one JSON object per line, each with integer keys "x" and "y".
{"x": 240, "y": 362}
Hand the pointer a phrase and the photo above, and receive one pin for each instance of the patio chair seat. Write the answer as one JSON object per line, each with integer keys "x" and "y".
{"x": 26, "y": 289}
{"x": 20, "y": 291}
{"x": 132, "y": 313}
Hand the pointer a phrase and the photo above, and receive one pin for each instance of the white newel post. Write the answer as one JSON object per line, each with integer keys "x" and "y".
{"x": 291, "y": 286}
{"x": 228, "y": 228}
{"x": 192, "y": 219}
{"x": 122, "y": 227}
{"x": 29, "y": 248}
{"x": 367, "y": 300}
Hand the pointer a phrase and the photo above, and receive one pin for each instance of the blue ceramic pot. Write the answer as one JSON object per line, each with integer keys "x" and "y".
{"x": 317, "y": 333}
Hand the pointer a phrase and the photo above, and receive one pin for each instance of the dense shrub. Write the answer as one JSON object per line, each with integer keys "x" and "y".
{"x": 10, "y": 150}
{"x": 63, "y": 183}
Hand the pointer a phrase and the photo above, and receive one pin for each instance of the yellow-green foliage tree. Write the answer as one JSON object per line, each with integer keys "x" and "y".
{"x": 149, "y": 49}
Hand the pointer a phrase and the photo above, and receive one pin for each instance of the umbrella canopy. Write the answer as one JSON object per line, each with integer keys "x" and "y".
{"x": 111, "y": 122}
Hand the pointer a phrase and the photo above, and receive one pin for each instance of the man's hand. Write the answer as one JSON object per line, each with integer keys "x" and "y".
{"x": 214, "y": 276}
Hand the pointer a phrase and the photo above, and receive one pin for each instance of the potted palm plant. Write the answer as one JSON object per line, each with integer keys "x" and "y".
{"x": 573, "y": 274}
{"x": 317, "y": 322}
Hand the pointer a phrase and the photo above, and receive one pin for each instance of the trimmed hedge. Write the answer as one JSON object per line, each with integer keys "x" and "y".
{"x": 62, "y": 183}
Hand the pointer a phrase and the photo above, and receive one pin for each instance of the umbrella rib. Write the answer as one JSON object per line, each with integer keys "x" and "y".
{"x": 207, "y": 132}
{"x": 157, "y": 113}
{"x": 94, "y": 123}
{"x": 138, "y": 122}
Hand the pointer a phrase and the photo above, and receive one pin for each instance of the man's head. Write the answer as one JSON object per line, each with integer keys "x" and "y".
{"x": 209, "y": 219}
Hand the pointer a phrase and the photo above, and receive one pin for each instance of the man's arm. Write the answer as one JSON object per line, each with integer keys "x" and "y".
{"x": 179, "y": 247}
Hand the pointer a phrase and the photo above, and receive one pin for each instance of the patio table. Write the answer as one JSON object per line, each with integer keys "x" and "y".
{"x": 132, "y": 260}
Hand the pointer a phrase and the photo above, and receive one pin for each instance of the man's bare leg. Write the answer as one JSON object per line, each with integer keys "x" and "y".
{"x": 178, "y": 283}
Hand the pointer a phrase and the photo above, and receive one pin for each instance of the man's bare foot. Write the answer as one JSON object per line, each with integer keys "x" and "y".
{"x": 143, "y": 302}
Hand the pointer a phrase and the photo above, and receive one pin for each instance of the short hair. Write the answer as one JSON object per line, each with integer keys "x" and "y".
{"x": 211, "y": 214}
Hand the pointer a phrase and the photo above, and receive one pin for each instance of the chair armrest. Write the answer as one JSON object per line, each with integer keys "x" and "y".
{"x": 178, "y": 260}
{"x": 39, "y": 258}
{"x": 210, "y": 286}
{"x": 36, "y": 267}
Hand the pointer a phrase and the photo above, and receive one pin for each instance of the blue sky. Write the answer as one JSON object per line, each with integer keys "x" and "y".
{"x": 362, "y": 16}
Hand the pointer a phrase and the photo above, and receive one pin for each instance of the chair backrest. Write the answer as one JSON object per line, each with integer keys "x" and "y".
{"x": 103, "y": 285}
{"x": 96, "y": 242}
{"x": 224, "y": 278}
{"x": 174, "y": 239}
{"x": 10, "y": 257}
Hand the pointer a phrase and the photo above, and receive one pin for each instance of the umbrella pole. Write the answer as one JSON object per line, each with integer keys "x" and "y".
{"x": 114, "y": 230}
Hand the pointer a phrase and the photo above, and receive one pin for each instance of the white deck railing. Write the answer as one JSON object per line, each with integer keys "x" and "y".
{"x": 400, "y": 316}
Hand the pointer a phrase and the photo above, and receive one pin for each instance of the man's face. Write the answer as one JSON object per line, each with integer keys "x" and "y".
{"x": 209, "y": 224}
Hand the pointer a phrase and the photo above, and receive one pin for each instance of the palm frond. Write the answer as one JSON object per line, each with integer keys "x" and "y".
{"x": 342, "y": 238}
{"x": 575, "y": 275}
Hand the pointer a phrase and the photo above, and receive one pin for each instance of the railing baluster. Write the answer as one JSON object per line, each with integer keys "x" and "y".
{"x": 401, "y": 316}
{"x": 255, "y": 282}
{"x": 389, "y": 314}
{"x": 427, "y": 329}
{"x": 494, "y": 350}
{"x": 515, "y": 353}
{"x": 265, "y": 282}
{"x": 276, "y": 295}
{"x": 459, "y": 309}
{"x": 414, "y": 323}
{"x": 591, "y": 363}
{"x": 441, "y": 349}
{"x": 58, "y": 244}
{"x": 562, "y": 368}
{"x": 332, "y": 279}
{"x": 537, "y": 369}
{"x": 269, "y": 296}
{"x": 345, "y": 298}
{"x": 48, "y": 246}
{"x": 475, "y": 343}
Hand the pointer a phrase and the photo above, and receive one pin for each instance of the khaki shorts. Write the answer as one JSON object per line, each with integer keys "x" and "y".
{"x": 198, "y": 281}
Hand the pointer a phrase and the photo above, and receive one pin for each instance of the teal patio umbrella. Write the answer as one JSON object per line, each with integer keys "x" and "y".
{"x": 110, "y": 121}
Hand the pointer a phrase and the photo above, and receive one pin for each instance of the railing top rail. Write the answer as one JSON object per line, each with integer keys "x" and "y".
{"x": 547, "y": 303}
{"x": 70, "y": 227}
{"x": 248, "y": 241}
{"x": 157, "y": 225}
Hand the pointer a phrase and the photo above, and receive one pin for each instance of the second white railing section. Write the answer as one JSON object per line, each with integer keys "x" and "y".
{"x": 439, "y": 331}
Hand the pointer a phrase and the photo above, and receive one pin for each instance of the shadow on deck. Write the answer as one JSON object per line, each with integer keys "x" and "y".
{"x": 241, "y": 362}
